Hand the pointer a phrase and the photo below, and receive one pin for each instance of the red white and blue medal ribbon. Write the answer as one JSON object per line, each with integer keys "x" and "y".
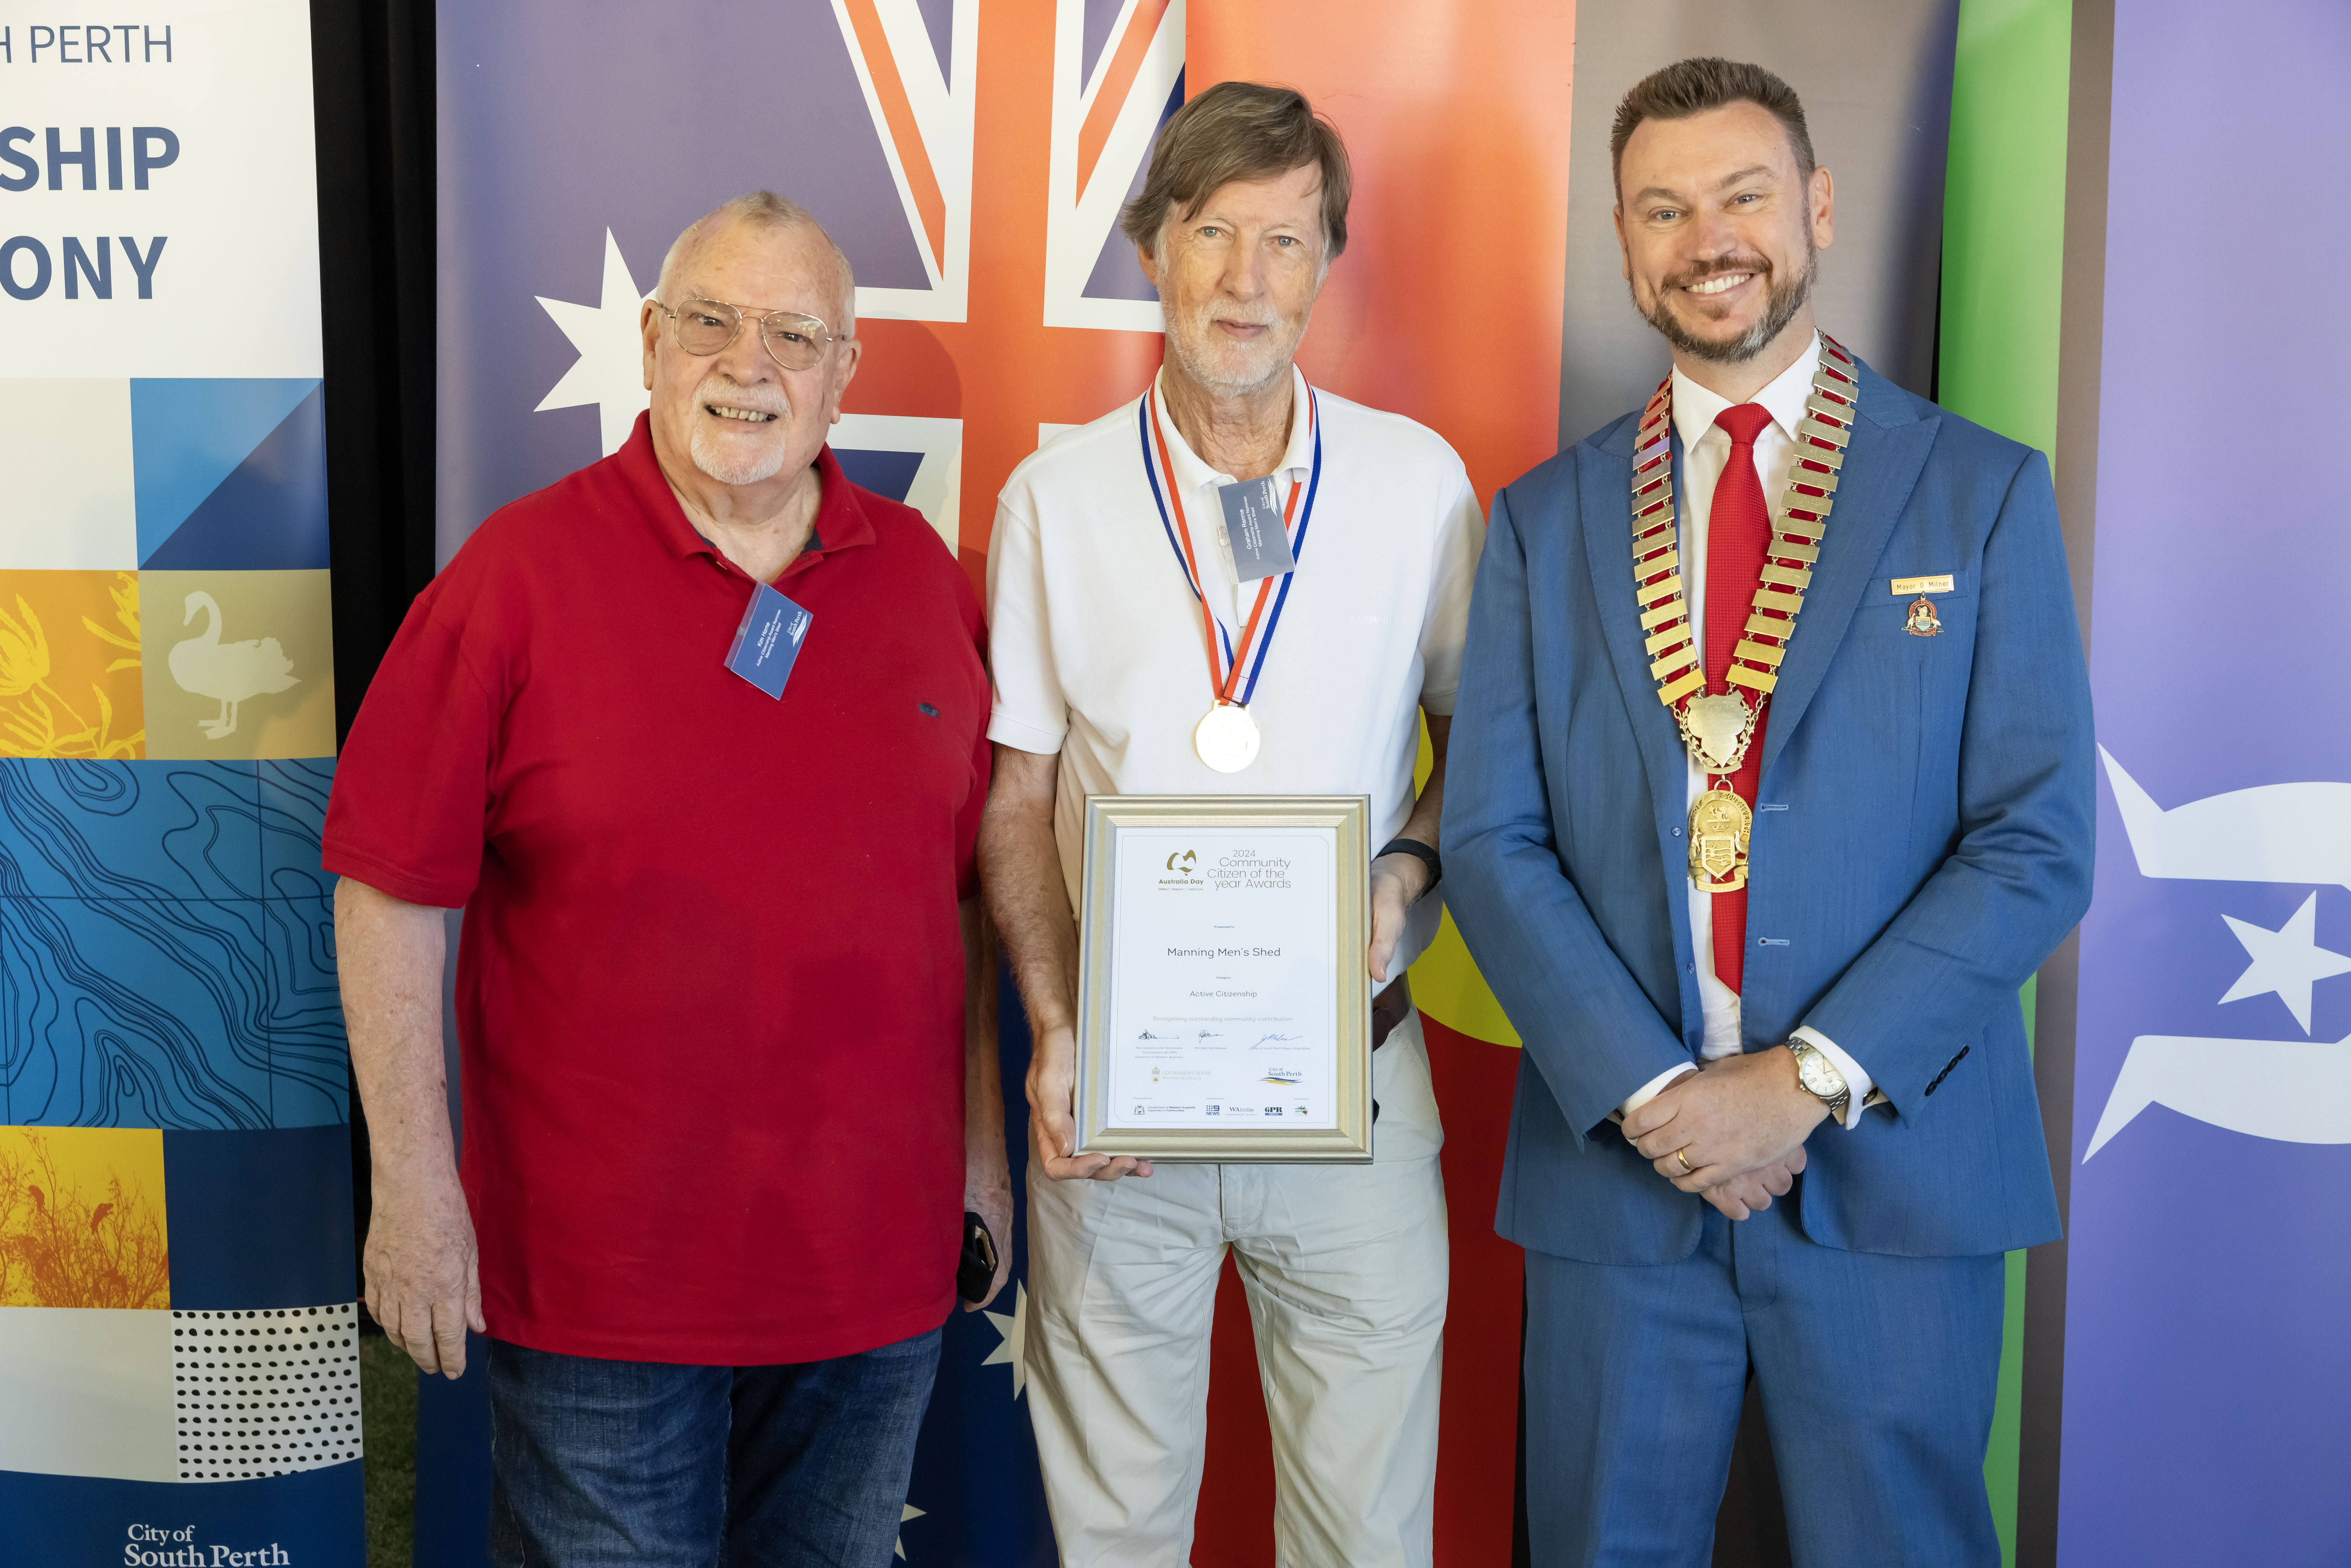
{"x": 1227, "y": 738}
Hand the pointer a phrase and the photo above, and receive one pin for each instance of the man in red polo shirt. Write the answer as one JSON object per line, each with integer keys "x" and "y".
{"x": 728, "y": 1047}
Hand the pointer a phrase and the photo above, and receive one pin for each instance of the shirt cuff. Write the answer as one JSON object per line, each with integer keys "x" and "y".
{"x": 1021, "y": 735}
{"x": 1856, "y": 1077}
{"x": 1650, "y": 1090}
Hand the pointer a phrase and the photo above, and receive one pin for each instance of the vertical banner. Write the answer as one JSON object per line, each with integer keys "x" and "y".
{"x": 2205, "y": 1373}
{"x": 178, "y": 1341}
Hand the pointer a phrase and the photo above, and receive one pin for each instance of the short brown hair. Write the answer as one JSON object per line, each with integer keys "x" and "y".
{"x": 1238, "y": 131}
{"x": 1693, "y": 86}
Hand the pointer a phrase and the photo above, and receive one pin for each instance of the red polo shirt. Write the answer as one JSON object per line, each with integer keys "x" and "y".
{"x": 710, "y": 992}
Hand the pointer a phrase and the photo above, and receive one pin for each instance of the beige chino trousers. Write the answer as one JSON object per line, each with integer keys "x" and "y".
{"x": 1346, "y": 1272}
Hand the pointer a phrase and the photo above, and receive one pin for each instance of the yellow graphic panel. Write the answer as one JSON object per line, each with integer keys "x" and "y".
{"x": 81, "y": 1219}
{"x": 238, "y": 665}
{"x": 69, "y": 664}
{"x": 1445, "y": 984}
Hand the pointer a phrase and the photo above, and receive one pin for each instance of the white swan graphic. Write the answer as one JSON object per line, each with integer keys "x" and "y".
{"x": 231, "y": 672}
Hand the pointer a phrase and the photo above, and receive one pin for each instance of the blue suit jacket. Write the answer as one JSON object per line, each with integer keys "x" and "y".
{"x": 1923, "y": 839}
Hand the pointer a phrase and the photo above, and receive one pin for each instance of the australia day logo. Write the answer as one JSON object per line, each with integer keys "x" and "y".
{"x": 2294, "y": 833}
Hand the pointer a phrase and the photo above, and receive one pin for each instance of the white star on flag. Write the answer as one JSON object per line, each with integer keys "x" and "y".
{"x": 1014, "y": 1327}
{"x": 909, "y": 1512}
{"x": 611, "y": 369}
{"x": 2288, "y": 960}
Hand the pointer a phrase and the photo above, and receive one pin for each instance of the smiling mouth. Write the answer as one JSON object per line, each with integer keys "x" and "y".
{"x": 1718, "y": 284}
{"x": 747, "y": 415}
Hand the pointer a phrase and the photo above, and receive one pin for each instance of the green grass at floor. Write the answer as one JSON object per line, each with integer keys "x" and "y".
{"x": 388, "y": 1407}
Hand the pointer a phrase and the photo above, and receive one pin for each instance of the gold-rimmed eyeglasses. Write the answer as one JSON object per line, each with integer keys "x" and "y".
{"x": 705, "y": 327}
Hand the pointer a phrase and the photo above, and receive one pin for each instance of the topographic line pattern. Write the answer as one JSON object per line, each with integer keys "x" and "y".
{"x": 168, "y": 943}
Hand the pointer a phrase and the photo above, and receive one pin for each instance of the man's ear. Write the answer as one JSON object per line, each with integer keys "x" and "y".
{"x": 1145, "y": 255}
{"x": 1624, "y": 251}
{"x": 1823, "y": 199}
{"x": 649, "y": 320}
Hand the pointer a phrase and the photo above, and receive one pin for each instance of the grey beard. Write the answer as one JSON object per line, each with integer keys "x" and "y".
{"x": 1784, "y": 304}
{"x": 742, "y": 468}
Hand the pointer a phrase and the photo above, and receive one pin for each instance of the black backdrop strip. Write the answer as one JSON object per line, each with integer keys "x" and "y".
{"x": 371, "y": 84}
{"x": 372, "y": 64}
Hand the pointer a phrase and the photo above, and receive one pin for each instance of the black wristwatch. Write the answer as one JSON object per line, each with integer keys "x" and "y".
{"x": 1425, "y": 853}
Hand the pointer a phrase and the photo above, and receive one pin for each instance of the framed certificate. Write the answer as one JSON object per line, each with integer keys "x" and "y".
{"x": 1224, "y": 1012}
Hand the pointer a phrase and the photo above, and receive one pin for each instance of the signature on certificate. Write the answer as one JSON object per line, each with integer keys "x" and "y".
{"x": 1275, "y": 1039}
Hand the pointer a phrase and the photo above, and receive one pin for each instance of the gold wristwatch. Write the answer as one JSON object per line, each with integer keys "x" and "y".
{"x": 1819, "y": 1077}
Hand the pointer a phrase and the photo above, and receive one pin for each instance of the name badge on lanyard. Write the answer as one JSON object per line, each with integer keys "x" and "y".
{"x": 1227, "y": 738}
{"x": 768, "y": 643}
{"x": 1256, "y": 530}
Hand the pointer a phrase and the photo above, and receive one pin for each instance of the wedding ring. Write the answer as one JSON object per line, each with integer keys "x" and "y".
{"x": 1682, "y": 1155}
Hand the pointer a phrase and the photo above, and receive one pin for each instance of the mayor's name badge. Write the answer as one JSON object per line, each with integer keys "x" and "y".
{"x": 768, "y": 643}
{"x": 1253, "y": 525}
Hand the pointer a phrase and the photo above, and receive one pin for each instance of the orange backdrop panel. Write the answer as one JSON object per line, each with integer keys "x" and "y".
{"x": 1446, "y": 308}
{"x": 1447, "y": 304}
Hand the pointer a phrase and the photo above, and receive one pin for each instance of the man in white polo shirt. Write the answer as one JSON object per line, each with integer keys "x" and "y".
{"x": 1132, "y": 656}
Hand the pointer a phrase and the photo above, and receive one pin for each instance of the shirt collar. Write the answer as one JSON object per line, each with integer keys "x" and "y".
{"x": 840, "y": 520}
{"x": 1192, "y": 471}
{"x": 1696, "y": 408}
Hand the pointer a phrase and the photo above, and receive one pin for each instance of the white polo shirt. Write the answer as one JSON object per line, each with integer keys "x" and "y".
{"x": 1094, "y": 635}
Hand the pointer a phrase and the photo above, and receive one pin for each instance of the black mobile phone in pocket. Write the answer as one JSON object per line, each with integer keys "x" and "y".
{"x": 976, "y": 1267}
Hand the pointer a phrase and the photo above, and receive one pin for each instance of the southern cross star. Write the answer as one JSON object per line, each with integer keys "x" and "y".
{"x": 2288, "y": 960}
{"x": 611, "y": 369}
{"x": 1014, "y": 1327}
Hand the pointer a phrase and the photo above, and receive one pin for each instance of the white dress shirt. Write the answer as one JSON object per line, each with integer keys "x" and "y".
{"x": 1706, "y": 449}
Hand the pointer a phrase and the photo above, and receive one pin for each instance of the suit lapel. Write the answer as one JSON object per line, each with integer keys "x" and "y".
{"x": 1604, "y": 482}
{"x": 1882, "y": 463}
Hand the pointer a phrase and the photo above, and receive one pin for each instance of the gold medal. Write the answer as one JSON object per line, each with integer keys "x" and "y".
{"x": 1718, "y": 826}
{"x": 1226, "y": 739}
{"x": 1717, "y": 728}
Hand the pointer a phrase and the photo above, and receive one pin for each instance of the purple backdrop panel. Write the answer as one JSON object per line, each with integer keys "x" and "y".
{"x": 2206, "y": 1373}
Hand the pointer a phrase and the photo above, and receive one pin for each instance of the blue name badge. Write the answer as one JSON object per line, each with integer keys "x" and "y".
{"x": 768, "y": 642}
{"x": 1253, "y": 525}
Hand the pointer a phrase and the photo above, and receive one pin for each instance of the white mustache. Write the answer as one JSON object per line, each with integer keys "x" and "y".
{"x": 724, "y": 389}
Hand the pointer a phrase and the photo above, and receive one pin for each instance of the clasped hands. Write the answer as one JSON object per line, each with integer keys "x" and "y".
{"x": 1732, "y": 1131}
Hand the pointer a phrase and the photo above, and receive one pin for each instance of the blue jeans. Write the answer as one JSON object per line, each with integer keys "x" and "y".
{"x": 644, "y": 1464}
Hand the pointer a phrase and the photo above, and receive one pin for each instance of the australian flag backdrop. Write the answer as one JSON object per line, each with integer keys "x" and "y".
{"x": 971, "y": 156}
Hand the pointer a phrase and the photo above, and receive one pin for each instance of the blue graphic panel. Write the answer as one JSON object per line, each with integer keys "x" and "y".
{"x": 292, "y": 799}
{"x": 187, "y": 434}
{"x": 123, "y": 1013}
{"x": 310, "y": 1054}
{"x": 260, "y": 1220}
{"x": 129, "y": 829}
{"x": 73, "y": 1521}
{"x": 890, "y": 473}
{"x": 268, "y": 515}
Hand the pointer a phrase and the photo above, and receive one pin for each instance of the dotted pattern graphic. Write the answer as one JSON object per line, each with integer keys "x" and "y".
{"x": 265, "y": 1393}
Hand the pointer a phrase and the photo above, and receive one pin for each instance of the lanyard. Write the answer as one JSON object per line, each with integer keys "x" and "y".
{"x": 1225, "y": 676}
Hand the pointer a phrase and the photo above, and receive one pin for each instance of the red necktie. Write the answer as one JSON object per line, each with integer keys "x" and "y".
{"x": 1737, "y": 531}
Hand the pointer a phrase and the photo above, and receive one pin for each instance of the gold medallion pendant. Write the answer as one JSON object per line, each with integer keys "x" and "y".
{"x": 1719, "y": 726}
{"x": 1923, "y": 622}
{"x": 1718, "y": 826}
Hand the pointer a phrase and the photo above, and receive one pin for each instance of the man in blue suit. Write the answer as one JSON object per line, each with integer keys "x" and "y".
{"x": 1770, "y": 784}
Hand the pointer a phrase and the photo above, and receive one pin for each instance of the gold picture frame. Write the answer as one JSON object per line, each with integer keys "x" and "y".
{"x": 1120, "y": 828}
